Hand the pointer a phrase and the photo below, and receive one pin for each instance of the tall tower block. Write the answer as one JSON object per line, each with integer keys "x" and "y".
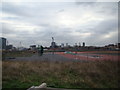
{"x": 83, "y": 44}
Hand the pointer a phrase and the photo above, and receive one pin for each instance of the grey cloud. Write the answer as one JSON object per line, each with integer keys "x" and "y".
{"x": 106, "y": 26}
{"x": 61, "y": 35}
{"x": 20, "y": 10}
{"x": 42, "y": 16}
{"x": 85, "y": 3}
{"x": 61, "y": 10}
{"x": 111, "y": 8}
{"x": 103, "y": 27}
{"x": 85, "y": 30}
{"x": 7, "y": 29}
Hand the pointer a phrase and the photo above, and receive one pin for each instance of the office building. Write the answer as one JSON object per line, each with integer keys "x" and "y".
{"x": 2, "y": 43}
{"x": 83, "y": 44}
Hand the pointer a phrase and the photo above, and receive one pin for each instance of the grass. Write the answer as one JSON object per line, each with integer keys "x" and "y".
{"x": 16, "y": 54}
{"x": 24, "y": 74}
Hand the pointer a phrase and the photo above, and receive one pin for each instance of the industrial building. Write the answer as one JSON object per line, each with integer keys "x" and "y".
{"x": 33, "y": 47}
{"x": 9, "y": 47}
{"x": 53, "y": 44}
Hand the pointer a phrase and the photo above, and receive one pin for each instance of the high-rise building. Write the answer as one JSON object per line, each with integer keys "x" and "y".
{"x": 79, "y": 44}
{"x": 76, "y": 44}
{"x": 62, "y": 44}
{"x": 83, "y": 44}
{"x": 118, "y": 45}
{"x": 66, "y": 44}
{"x": 2, "y": 43}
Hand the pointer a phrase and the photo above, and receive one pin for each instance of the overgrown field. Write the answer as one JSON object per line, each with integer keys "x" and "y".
{"x": 7, "y": 54}
{"x": 95, "y": 74}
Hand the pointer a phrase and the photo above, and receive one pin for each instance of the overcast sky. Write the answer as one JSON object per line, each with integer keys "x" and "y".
{"x": 95, "y": 23}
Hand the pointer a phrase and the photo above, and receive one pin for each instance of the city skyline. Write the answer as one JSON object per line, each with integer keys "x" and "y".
{"x": 54, "y": 44}
{"x": 95, "y": 23}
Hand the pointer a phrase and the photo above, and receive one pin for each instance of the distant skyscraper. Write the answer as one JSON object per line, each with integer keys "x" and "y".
{"x": 75, "y": 44}
{"x": 2, "y": 43}
{"x": 83, "y": 44}
{"x": 62, "y": 44}
{"x": 66, "y": 44}
{"x": 79, "y": 44}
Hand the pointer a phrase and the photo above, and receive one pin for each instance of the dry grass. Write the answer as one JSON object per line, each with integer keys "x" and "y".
{"x": 97, "y": 74}
{"x": 17, "y": 54}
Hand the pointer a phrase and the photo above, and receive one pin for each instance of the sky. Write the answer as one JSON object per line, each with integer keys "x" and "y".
{"x": 29, "y": 23}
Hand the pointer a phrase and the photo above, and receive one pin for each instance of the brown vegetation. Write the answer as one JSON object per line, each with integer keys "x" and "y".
{"x": 95, "y": 74}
